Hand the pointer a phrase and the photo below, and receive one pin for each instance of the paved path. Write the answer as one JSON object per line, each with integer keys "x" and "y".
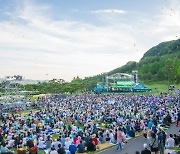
{"x": 136, "y": 144}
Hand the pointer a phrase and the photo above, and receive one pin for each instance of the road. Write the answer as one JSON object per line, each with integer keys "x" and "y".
{"x": 136, "y": 144}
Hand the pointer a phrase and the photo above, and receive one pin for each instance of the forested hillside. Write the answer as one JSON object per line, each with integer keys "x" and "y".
{"x": 161, "y": 62}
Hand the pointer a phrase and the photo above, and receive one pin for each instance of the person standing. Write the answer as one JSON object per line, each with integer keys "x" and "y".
{"x": 154, "y": 143}
{"x": 145, "y": 131}
{"x": 146, "y": 150}
{"x": 119, "y": 139}
{"x": 161, "y": 138}
{"x": 178, "y": 119}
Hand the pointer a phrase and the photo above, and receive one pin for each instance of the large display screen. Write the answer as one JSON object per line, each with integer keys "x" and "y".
{"x": 125, "y": 83}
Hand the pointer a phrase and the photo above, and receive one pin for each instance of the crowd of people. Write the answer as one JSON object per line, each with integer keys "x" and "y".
{"x": 78, "y": 123}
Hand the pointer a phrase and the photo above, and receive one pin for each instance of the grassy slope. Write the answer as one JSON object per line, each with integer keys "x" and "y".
{"x": 160, "y": 87}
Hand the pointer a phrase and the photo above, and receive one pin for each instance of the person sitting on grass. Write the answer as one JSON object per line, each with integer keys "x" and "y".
{"x": 170, "y": 142}
{"x": 21, "y": 150}
{"x": 94, "y": 139}
{"x": 4, "y": 149}
{"x": 81, "y": 147}
{"x": 86, "y": 139}
{"x": 11, "y": 142}
{"x": 30, "y": 143}
{"x": 112, "y": 139}
{"x": 48, "y": 142}
{"x": 34, "y": 150}
{"x": 60, "y": 149}
{"x": 175, "y": 137}
{"x": 67, "y": 143}
{"x": 56, "y": 143}
{"x": 53, "y": 150}
{"x": 91, "y": 146}
{"x": 72, "y": 148}
{"x": 101, "y": 137}
{"x": 41, "y": 143}
{"x": 132, "y": 132}
{"x": 63, "y": 140}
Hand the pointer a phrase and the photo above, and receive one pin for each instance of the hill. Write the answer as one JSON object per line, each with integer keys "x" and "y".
{"x": 161, "y": 63}
{"x": 131, "y": 65}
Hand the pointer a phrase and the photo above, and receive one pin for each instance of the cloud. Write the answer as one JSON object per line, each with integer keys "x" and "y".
{"x": 166, "y": 25}
{"x": 109, "y": 11}
{"x": 61, "y": 36}
{"x": 38, "y": 44}
{"x": 8, "y": 13}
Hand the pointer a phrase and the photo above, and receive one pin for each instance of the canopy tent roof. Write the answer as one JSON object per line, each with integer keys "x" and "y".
{"x": 120, "y": 76}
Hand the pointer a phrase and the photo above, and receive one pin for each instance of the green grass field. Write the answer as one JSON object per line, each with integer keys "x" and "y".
{"x": 177, "y": 149}
{"x": 160, "y": 87}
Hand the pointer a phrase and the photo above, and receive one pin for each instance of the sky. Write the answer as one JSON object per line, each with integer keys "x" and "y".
{"x": 46, "y": 39}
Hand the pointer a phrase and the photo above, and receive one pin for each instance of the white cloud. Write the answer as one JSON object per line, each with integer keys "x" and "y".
{"x": 109, "y": 11}
{"x": 8, "y": 13}
{"x": 38, "y": 45}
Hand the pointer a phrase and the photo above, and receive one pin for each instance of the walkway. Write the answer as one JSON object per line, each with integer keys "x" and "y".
{"x": 136, "y": 144}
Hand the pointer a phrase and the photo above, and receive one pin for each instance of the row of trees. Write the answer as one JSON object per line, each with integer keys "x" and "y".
{"x": 77, "y": 85}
